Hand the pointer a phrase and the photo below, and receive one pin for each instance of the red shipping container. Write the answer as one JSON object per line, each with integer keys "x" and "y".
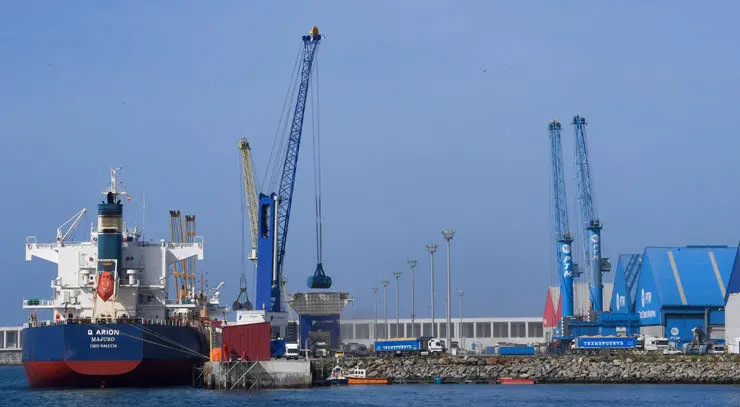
{"x": 248, "y": 342}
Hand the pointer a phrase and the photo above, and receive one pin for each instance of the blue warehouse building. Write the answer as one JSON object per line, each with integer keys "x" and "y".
{"x": 679, "y": 288}
{"x": 625, "y": 283}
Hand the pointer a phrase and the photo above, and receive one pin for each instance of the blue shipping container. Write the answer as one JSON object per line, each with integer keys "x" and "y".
{"x": 607, "y": 342}
{"x": 277, "y": 348}
{"x": 516, "y": 350}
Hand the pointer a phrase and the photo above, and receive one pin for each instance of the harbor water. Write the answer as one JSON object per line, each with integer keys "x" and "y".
{"x": 14, "y": 391}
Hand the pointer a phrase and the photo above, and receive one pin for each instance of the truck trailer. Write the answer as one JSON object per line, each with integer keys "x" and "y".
{"x": 604, "y": 344}
{"x": 409, "y": 346}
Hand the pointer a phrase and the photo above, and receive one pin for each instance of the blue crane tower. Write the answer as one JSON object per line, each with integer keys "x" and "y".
{"x": 274, "y": 209}
{"x": 589, "y": 220}
{"x": 563, "y": 238}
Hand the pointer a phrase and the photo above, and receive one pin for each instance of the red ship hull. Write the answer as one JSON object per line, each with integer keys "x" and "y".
{"x": 112, "y": 355}
{"x": 133, "y": 373}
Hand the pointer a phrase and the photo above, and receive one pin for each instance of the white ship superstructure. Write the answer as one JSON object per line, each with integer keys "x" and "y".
{"x": 116, "y": 274}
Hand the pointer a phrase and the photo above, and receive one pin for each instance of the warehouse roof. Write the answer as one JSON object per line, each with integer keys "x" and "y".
{"x": 688, "y": 276}
{"x": 625, "y": 282}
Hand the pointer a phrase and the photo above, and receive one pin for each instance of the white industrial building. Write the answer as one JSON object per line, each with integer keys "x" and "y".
{"x": 732, "y": 310}
{"x": 476, "y": 332}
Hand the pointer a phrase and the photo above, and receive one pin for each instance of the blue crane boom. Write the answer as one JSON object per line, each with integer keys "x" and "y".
{"x": 274, "y": 209}
{"x": 589, "y": 220}
{"x": 563, "y": 238}
{"x": 287, "y": 181}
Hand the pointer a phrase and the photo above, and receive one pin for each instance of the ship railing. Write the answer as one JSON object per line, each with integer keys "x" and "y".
{"x": 103, "y": 321}
{"x": 35, "y": 302}
{"x": 187, "y": 301}
{"x": 32, "y": 242}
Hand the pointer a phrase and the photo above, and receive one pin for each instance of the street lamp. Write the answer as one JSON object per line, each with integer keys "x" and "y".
{"x": 448, "y": 234}
{"x": 385, "y": 295}
{"x": 397, "y": 275}
{"x": 432, "y": 247}
{"x": 375, "y": 314}
{"x": 412, "y": 263}
{"x": 462, "y": 340}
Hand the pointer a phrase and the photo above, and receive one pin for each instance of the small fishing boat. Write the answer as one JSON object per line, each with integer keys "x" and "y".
{"x": 359, "y": 376}
{"x": 509, "y": 380}
{"x": 337, "y": 376}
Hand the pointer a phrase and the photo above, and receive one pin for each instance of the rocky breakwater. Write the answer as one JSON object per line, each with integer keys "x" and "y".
{"x": 552, "y": 369}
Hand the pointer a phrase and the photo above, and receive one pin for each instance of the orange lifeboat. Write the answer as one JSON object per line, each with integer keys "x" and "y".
{"x": 105, "y": 285}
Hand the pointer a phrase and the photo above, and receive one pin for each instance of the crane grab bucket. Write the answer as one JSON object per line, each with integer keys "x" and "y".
{"x": 319, "y": 279}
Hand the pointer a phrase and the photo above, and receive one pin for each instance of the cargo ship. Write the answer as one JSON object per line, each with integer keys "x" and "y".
{"x": 112, "y": 321}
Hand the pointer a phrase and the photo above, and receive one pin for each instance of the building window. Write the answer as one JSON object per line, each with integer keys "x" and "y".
{"x": 467, "y": 330}
{"x": 362, "y": 331}
{"x": 500, "y": 329}
{"x": 428, "y": 329}
{"x": 518, "y": 329}
{"x": 534, "y": 329}
{"x": 345, "y": 331}
{"x": 380, "y": 330}
{"x": 443, "y": 330}
{"x": 396, "y": 330}
{"x": 482, "y": 330}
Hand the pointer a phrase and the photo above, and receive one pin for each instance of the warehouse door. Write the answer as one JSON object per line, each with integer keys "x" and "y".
{"x": 678, "y": 327}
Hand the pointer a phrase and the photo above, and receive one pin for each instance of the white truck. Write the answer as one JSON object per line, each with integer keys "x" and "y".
{"x": 653, "y": 344}
{"x": 292, "y": 351}
{"x": 409, "y": 346}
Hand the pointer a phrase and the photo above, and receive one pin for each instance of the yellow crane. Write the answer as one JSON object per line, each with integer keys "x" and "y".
{"x": 190, "y": 233}
{"x": 250, "y": 192}
{"x": 179, "y": 269}
{"x": 183, "y": 272}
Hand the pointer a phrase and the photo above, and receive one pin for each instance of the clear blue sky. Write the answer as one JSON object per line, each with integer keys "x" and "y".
{"x": 433, "y": 114}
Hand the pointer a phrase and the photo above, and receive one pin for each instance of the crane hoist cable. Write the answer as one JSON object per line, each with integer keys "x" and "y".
{"x": 319, "y": 279}
{"x": 274, "y": 163}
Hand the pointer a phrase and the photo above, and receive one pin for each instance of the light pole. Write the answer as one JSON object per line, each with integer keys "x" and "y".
{"x": 462, "y": 338}
{"x": 397, "y": 275}
{"x": 448, "y": 234}
{"x": 432, "y": 247}
{"x": 412, "y": 263}
{"x": 375, "y": 314}
{"x": 385, "y": 295}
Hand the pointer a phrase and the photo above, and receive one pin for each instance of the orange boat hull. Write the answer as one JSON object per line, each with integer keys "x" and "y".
{"x": 508, "y": 380}
{"x": 370, "y": 380}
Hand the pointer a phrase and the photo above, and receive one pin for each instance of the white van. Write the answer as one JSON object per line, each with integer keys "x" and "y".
{"x": 292, "y": 351}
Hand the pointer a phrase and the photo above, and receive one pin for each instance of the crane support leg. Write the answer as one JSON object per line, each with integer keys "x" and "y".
{"x": 597, "y": 289}
{"x": 566, "y": 280}
{"x": 267, "y": 291}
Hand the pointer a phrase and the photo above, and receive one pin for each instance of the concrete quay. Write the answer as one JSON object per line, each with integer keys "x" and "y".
{"x": 244, "y": 375}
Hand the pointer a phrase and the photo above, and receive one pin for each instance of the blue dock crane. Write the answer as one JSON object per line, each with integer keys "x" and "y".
{"x": 274, "y": 209}
{"x": 562, "y": 237}
{"x": 589, "y": 220}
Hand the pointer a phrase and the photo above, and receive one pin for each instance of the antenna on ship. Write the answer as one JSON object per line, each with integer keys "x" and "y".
{"x": 143, "y": 216}
{"x": 112, "y": 190}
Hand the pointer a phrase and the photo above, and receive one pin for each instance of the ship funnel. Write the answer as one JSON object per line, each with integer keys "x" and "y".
{"x": 110, "y": 230}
